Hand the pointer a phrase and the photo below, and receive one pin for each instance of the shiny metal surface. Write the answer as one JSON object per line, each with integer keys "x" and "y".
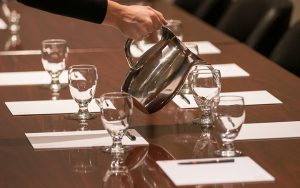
{"x": 159, "y": 73}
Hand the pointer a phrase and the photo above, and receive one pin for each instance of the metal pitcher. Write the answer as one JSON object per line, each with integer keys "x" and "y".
{"x": 159, "y": 73}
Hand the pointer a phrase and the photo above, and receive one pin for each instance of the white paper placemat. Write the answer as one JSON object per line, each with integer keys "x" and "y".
{"x": 29, "y": 78}
{"x": 204, "y": 47}
{"x": 3, "y": 25}
{"x": 250, "y": 97}
{"x": 270, "y": 130}
{"x": 231, "y": 70}
{"x": 243, "y": 169}
{"x": 78, "y": 139}
{"x": 47, "y": 107}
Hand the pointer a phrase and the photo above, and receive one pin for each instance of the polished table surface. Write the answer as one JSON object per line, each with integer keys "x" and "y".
{"x": 165, "y": 130}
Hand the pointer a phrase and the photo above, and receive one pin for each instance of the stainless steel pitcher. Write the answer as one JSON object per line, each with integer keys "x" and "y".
{"x": 159, "y": 73}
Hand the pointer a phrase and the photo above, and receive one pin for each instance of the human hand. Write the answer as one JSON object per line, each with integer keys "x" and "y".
{"x": 134, "y": 21}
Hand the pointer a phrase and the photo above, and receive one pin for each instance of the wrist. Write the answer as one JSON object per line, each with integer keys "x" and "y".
{"x": 112, "y": 13}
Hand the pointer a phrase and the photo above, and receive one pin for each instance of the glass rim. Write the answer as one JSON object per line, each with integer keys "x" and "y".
{"x": 54, "y": 41}
{"x": 173, "y": 21}
{"x": 116, "y": 94}
{"x": 84, "y": 66}
{"x": 205, "y": 71}
{"x": 230, "y": 97}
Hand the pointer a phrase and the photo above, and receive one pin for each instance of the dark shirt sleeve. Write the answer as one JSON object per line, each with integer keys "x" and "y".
{"x": 89, "y": 10}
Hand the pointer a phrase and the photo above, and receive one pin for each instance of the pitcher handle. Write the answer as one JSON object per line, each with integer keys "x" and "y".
{"x": 128, "y": 55}
{"x": 166, "y": 34}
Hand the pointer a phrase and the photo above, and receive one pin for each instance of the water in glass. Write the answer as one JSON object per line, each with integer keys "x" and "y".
{"x": 54, "y": 56}
{"x": 205, "y": 85}
{"x": 116, "y": 111}
{"x": 229, "y": 116}
{"x": 82, "y": 85}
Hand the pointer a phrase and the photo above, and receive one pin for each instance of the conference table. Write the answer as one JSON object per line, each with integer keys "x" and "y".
{"x": 170, "y": 132}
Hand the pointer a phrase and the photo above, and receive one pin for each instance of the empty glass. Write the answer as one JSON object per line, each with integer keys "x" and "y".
{"x": 116, "y": 111}
{"x": 176, "y": 27}
{"x": 82, "y": 84}
{"x": 205, "y": 85}
{"x": 54, "y": 56}
{"x": 229, "y": 115}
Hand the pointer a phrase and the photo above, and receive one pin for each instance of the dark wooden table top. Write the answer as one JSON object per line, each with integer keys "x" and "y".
{"x": 169, "y": 131}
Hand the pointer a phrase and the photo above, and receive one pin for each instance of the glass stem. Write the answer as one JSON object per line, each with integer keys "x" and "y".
{"x": 206, "y": 117}
{"x": 229, "y": 146}
{"x": 117, "y": 143}
{"x": 55, "y": 85}
{"x": 83, "y": 108}
{"x": 206, "y": 112}
{"x": 206, "y": 133}
{"x": 54, "y": 80}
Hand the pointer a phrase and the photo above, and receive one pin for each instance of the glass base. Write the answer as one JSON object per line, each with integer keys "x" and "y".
{"x": 228, "y": 153}
{"x": 203, "y": 122}
{"x": 84, "y": 116}
{"x": 114, "y": 150}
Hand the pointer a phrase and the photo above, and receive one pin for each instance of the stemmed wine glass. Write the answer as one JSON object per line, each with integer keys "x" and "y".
{"x": 205, "y": 85}
{"x": 54, "y": 56}
{"x": 116, "y": 111}
{"x": 229, "y": 115}
{"x": 82, "y": 84}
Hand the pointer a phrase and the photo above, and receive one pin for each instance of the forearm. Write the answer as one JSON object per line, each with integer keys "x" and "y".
{"x": 89, "y": 10}
{"x": 113, "y": 13}
{"x": 133, "y": 21}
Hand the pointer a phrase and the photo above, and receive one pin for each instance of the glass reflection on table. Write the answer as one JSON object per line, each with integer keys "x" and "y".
{"x": 83, "y": 160}
{"x": 141, "y": 162}
{"x": 118, "y": 174}
{"x": 206, "y": 144}
{"x": 183, "y": 119}
{"x": 12, "y": 17}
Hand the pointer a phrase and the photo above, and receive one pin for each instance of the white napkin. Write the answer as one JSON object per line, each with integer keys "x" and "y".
{"x": 78, "y": 139}
{"x": 29, "y": 78}
{"x": 250, "y": 97}
{"x": 230, "y": 70}
{"x": 243, "y": 169}
{"x": 269, "y": 130}
{"x": 48, "y": 107}
{"x": 3, "y": 25}
{"x": 204, "y": 47}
